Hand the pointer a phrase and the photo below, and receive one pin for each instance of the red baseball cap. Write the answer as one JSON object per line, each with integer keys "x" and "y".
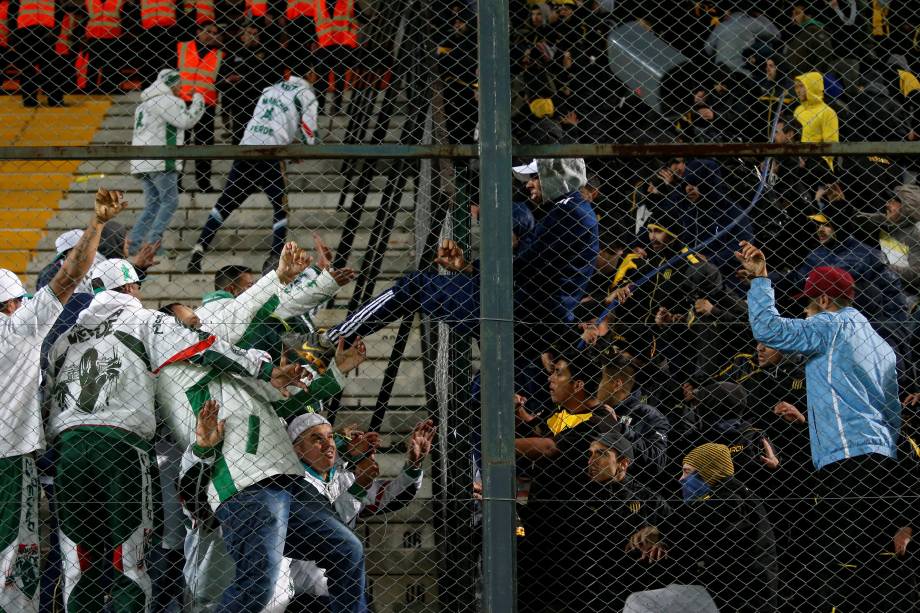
{"x": 829, "y": 281}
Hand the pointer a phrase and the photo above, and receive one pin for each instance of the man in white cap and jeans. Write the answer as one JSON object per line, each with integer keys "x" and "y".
{"x": 160, "y": 119}
{"x": 23, "y": 325}
{"x": 354, "y": 492}
{"x": 103, "y": 383}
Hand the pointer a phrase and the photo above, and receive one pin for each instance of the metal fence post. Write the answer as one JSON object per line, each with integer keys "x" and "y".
{"x": 497, "y": 335}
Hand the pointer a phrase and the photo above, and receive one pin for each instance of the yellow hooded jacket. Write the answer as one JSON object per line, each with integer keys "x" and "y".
{"x": 818, "y": 120}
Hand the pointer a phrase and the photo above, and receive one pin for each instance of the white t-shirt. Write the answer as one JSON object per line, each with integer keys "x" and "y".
{"x": 285, "y": 114}
{"x": 21, "y": 336}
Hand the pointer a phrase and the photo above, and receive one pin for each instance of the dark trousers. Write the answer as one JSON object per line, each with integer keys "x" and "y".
{"x": 856, "y": 515}
{"x": 247, "y": 177}
{"x": 156, "y": 50}
{"x": 202, "y": 133}
{"x": 105, "y": 64}
{"x": 40, "y": 67}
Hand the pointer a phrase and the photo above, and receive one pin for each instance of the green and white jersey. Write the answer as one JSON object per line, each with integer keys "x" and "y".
{"x": 103, "y": 372}
{"x": 162, "y": 119}
{"x": 285, "y": 113}
{"x": 256, "y": 444}
{"x": 21, "y": 336}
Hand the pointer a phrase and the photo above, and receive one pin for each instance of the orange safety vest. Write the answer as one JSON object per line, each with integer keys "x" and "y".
{"x": 300, "y": 8}
{"x": 204, "y": 8}
{"x": 36, "y": 13}
{"x": 256, "y": 8}
{"x": 104, "y": 18}
{"x": 4, "y": 28}
{"x": 65, "y": 36}
{"x": 198, "y": 74}
{"x": 158, "y": 13}
{"x": 341, "y": 28}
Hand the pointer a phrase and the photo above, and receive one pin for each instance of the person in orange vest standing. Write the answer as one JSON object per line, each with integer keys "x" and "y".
{"x": 157, "y": 38}
{"x": 103, "y": 34}
{"x": 34, "y": 42}
{"x": 337, "y": 40}
{"x": 201, "y": 68}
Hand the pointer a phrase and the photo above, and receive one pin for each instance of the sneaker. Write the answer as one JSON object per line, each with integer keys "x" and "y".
{"x": 194, "y": 263}
{"x": 313, "y": 347}
{"x": 30, "y": 103}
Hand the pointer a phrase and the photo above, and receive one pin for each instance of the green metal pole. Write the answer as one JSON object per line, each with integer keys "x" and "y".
{"x": 497, "y": 333}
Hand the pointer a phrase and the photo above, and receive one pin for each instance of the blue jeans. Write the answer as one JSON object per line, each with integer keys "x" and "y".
{"x": 264, "y": 522}
{"x": 161, "y": 198}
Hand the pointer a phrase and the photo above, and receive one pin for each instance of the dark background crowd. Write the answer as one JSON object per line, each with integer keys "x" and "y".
{"x": 656, "y": 370}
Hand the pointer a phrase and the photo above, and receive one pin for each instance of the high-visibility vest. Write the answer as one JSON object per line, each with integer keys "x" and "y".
{"x": 256, "y": 8}
{"x": 65, "y": 36}
{"x": 300, "y": 8}
{"x": 4, "y": 27}
{"x": 204, "y": 10}
{"x": 104, "y": 18}
{"x": 339, "y": 29}
{"x": 158, "y": 13}
{"x": 35, "y": 13}
{"x": 198, "y": 74}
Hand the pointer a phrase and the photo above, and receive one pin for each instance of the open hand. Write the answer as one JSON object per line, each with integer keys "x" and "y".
{"x": 752, "y": 260}
{"x": 322, "y": 251}
{"x": 349, "y": 359}
{"x": 209, "y": 431}
{"x": 286, "y": 375}
{"x": 769, "y": 458}
{"x": 147, "y": 256}
{"x": 901, "y": 539}
{"x": 292, "y": 262}
{"x": 109, "y": 203}
{"x": 343, "y": 276}
{"x": 419, "y": 444}
{"x": 450, "y": 256}
{"x": 789, "y": 412}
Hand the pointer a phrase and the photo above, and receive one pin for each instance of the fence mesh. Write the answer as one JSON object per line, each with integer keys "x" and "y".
{"x": 252, "y": 384}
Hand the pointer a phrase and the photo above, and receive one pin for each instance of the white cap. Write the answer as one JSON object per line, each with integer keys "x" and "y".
{"x": 68, "y": 240}
{"x": 304, "y": 422}
{"x": 115, "y": 273}
{"x": 523, "y": 173}
{"x": 10, "y": 286}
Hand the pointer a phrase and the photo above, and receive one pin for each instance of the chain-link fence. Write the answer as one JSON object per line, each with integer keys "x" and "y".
{"x": 626, "y": 415}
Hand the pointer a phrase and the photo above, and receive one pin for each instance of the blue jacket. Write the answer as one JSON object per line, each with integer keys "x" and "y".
{"x": 850, "y": 375}
{"x": 554, "y": 263}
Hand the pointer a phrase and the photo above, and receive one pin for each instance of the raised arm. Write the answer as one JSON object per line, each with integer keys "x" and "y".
{"x": 80, "y": 259}
{"x": 806, "y": 336}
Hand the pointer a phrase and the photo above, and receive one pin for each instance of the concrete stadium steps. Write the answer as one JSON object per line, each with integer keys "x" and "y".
{"x": 401, "y": 554}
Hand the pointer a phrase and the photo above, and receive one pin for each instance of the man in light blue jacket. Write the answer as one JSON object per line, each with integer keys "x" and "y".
{"x": 853, "y": 417}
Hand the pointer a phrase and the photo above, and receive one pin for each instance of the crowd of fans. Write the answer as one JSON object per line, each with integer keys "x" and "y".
{"x": 687, "y": 439}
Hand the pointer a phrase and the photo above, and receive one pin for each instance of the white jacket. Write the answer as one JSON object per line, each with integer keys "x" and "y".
{"x": 162, "y": 119}
{"x": 350, "y": 502}
{"x": 286, "y": 113}
{"x": 103, "y": 371}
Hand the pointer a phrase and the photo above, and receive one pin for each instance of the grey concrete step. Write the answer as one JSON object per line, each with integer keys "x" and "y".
{"x": 394, "y": 421}
{"x": 244, "y": 219}
{"x": 398, "y": 536}
{"x": 401, "y": 240}
{"x": 296, "y": 182}
{"x": 393, "y": 593}
{"x": 219, "y": 167}
{"x": 337, "y": 134}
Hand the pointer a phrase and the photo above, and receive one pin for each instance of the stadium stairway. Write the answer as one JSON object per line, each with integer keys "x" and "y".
{"x": 31, "y": 192}
{"x": 401, "y": 558}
